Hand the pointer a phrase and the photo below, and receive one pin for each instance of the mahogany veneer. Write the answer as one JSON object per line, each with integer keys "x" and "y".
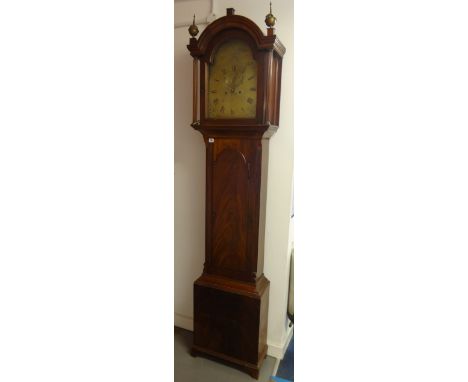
{"x": 231, "y": 296}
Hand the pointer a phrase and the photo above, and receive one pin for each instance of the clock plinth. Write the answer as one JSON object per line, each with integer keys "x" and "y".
{"x": 230, "y": 320}
{"x": 239, "y": 91}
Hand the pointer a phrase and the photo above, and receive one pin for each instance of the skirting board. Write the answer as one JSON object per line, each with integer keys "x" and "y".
{"x": 278, "y": 351}
{"x": 183, "y": 322}
{"x": 274, "y": 350}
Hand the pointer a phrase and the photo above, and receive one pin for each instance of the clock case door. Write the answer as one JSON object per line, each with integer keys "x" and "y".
{"x": 234, "y": 202}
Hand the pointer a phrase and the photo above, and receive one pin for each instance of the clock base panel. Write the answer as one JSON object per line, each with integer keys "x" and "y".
{"x": 230, "y": 323}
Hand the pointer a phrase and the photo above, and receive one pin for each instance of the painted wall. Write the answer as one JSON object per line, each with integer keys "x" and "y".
{"x": 189, "y": 167}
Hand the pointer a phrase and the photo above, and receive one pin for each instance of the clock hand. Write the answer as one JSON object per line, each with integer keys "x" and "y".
{"x": 237, "y": 80}
{"x": 241, "y": 80}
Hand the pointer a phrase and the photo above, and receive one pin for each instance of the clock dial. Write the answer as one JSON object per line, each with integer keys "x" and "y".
{"x": 232, "y": 82}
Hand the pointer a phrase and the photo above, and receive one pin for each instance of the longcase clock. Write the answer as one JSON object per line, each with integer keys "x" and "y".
{"x": 237, "y": 79}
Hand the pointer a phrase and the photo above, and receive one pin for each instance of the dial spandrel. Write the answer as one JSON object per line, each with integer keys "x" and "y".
{"x": 232, "y": 82}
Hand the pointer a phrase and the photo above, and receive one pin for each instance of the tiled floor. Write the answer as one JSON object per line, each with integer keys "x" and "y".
{"x": 201, "y": 369}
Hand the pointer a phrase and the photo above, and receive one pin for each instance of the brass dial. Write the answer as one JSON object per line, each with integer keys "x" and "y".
{"x": 232, "y": 82}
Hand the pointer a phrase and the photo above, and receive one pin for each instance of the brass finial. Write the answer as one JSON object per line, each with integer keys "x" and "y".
{"x": 193, "y": 29}
{"x": 270, "y": 20}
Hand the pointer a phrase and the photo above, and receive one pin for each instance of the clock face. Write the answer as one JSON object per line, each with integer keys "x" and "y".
{"x": 232, "y": 82}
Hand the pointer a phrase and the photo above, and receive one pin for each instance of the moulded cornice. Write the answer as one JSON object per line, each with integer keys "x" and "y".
{"x": 199, "y": 47}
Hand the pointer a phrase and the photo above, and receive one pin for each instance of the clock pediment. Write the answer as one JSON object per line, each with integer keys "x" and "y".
{"x": 199, "y": 47}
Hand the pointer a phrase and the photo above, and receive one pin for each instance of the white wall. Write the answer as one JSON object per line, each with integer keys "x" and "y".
{"x": 190, "y": 170}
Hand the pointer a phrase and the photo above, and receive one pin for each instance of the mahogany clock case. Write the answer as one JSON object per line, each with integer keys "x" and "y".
{"x": 231, "y": 296}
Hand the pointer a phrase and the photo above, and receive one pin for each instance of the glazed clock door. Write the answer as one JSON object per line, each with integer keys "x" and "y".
{"x": 232, "y": 82}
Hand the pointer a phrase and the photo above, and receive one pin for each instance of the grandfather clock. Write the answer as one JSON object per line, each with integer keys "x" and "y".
{"x": 237, "y": 78}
